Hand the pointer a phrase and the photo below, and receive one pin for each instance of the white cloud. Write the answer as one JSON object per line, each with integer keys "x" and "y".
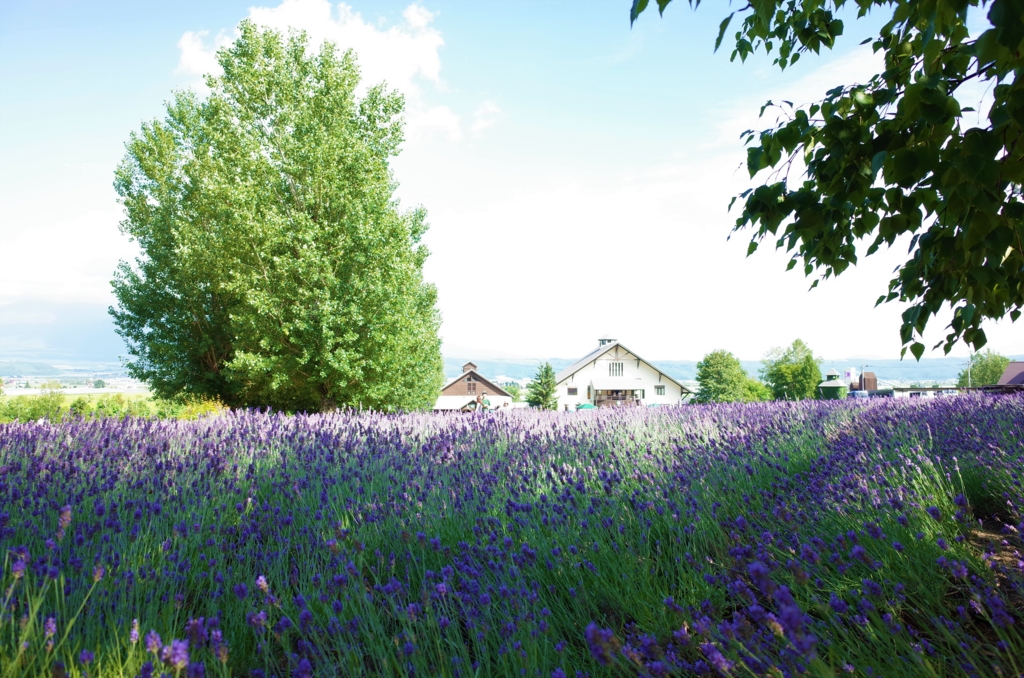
{"x": 422, "y": 121}
{"x": 485, "y": 115}
{"x": 197, "y": 59}
{"x": 404, "y": 55}
{"x": 417, "y": 16}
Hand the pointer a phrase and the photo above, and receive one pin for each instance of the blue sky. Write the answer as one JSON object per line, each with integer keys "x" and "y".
{"x": 576, "y": 171}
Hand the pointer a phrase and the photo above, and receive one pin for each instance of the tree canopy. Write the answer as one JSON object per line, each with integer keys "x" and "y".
{"x": 792, "y": 373}
{"x": 898, "y": 155}
{"x": 542, "y": 391}
{"x": 986, "y": 368}
{"x": 514, "y": 391}
{"x": 277, "y": 268}
{"x": 722, "y": 379}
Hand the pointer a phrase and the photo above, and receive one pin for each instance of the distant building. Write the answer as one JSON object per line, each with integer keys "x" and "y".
{"x": 612, "y": 375}
{"x": 1013, "y": 375}
{"x": 866, "y": 382}
{"x": 461, "y": 392}
{"x": 833, "y": 387}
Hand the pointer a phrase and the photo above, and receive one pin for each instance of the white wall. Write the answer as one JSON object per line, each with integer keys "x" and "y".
{"x": 647, "y": 375}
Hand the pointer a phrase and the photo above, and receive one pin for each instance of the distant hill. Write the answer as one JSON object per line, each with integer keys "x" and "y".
{"x": 27, "y": 369}
{"x": 928, "y": 370}
{"x": 517, "y": 369}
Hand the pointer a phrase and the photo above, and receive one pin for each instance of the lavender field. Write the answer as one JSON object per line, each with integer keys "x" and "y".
{"x": 816, "y": 538}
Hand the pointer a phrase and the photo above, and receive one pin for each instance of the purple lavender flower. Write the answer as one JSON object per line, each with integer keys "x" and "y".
{"x": 241, "y": 591}
{"x": 178, "y": 655}
{"x": 871, "y": 588}
{"x": 716, "y": 658}
{"x": 934, "y": 512}
{"x": 602, "y": 643}
{"x": 153, "y": 642}
{"x": 86, "y": 657}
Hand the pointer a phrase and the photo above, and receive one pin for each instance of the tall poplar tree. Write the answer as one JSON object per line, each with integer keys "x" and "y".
{"x": 277, "y": 268}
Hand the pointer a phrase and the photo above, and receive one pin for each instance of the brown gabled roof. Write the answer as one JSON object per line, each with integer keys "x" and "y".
{"x": 1013, "y": 374}
{"x": 494, "y": 388}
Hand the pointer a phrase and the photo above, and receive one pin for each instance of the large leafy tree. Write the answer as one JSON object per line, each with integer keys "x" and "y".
{"x": 542, "y": 392}
{"x": 722, "y": 379}
{"x": 277, "y": 268}
{"x": 898, "y": 155}
{"x": 986, "y": 368}
{"x": 792, "y": 373}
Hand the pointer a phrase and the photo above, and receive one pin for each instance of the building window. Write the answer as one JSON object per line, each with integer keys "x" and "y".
{"x": 471, "y": 387}
{"x": 572, "y": 390}
{"x": 614, "y": 369}
{"x": 659, "y": 390}
{"x": 588, "y": 393}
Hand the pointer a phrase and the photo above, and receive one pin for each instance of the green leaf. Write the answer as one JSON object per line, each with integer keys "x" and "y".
{"x": 752, "y": 247}
{"x": 722, "y": 27}
{"x": 876, "y": 163}
{"x": 917, "y": 348}
{"x": 634, "y": 11}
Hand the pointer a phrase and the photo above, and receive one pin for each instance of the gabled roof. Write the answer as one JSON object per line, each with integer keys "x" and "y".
{"x": 1013, "y": 374}
{"x": 496, "y": 390}
{"x": 600, "y": 351}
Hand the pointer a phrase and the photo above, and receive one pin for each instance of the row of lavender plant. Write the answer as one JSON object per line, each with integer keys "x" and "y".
{"x": 813, "y": 538}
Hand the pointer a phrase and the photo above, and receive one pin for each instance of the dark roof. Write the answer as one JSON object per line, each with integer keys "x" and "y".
{"x": 1013, "y": 374}
{"x": 597, "y": 353}
{"x": 495, "y": 389}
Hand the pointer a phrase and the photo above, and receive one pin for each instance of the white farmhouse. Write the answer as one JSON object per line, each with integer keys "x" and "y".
{"x": 613, "y": 375}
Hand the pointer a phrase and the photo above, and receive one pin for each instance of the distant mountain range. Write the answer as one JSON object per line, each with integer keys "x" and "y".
{"x": 926, "y": 371}
{"x": 48, "y": 339}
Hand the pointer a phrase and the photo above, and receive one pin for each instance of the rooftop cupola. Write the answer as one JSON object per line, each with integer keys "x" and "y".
{"x": 467, "y": 367}
{"x": 606, "y": 339}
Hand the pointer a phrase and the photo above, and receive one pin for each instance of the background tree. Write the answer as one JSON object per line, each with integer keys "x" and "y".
{"x": 277, "y": 268}
{"x": 756, "y": 391}
{"x": 722, "y": 379}
{"x": 898, "y": 156}
{"x": 986, "y": 368}
{"x": 541, "y": 391}
{"x": 792, "y": 373}
{"x": 513, "y": 390}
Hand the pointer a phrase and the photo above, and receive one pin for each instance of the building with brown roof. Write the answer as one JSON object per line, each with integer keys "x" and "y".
{"x": 1013, "y": 375}
{"x": 458, "y": 393}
